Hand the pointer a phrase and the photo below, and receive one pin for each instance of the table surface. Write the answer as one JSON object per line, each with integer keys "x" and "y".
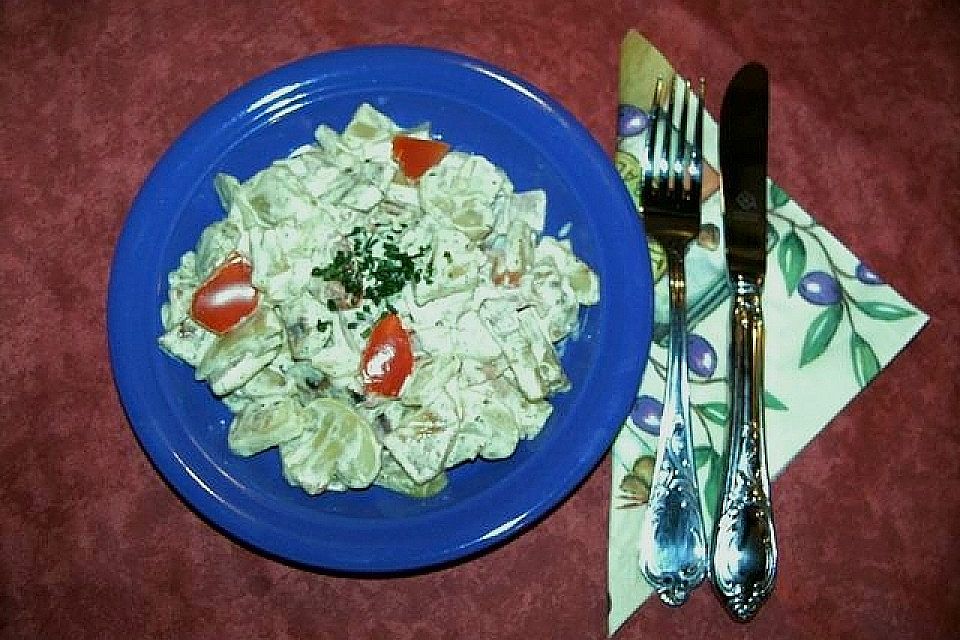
{"x": 864, "y": 123}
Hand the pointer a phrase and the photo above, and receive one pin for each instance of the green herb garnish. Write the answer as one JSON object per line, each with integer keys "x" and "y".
{"x": 375, "y": 278}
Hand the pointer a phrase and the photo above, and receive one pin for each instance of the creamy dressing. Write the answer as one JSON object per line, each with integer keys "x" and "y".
{"x": 338, "y": 237}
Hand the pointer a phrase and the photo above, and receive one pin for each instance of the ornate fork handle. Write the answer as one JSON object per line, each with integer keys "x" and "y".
{"x": 673, "y": 553}
{"x": 745, "y": 549}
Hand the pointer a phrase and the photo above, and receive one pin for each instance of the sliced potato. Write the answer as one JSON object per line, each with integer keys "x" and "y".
{"x": 259, "y": 428}
{"x": 339, "y": 447}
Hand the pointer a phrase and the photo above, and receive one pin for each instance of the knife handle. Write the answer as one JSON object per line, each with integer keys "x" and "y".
{"x": 744, "y": 563}
{"x": 673, "y": 538}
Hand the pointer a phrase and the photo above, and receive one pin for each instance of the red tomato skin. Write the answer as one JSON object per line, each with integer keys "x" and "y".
{"x": 226, "y": 297}
{"x": 387, "y": 360}
{"x": 415, "y": 156}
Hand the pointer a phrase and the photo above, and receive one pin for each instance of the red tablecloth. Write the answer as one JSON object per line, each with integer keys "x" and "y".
{"x": 865, "y": 135}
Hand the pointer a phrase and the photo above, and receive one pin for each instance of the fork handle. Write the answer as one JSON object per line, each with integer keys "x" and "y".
{"x": 744, "y": 563}
{"x": 673, "y": 553}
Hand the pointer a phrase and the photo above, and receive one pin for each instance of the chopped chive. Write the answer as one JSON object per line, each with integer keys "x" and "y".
{"x": 374, "y": 277}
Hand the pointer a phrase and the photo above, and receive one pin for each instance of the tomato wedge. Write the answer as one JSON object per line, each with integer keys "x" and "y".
{"x": 387, "y": 359}
{"x": 415, "y": 155}
{"x": 226, "y": 297}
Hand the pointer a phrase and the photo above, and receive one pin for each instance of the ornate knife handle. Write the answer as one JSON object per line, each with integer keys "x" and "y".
{"x": 744, "y": 546}
{"x": 673, "y": 541}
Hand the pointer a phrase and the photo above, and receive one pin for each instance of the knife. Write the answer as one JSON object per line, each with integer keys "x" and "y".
{"x": 744, "y": 556}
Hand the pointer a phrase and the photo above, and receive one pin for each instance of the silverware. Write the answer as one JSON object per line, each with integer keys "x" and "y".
{"x": 673, "y": 551}
{"x": 744, "y": 562}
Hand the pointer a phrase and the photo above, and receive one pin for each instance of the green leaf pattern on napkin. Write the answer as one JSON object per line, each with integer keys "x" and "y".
{"x": 828, "y": 287}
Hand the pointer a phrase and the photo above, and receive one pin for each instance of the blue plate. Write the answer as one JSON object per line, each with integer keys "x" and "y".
{"x": 477, "y": 108}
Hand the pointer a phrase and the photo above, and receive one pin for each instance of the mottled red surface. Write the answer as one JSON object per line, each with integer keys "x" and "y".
{"x": 92, "y": 542}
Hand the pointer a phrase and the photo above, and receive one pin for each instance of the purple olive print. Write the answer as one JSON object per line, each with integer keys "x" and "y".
{"x": 646, "y": 414}
{"x": 701, "y": 356}
{"x": 866, "y": 275}
{"x": 819, "y": 288}
{"x": 631, "y": 120}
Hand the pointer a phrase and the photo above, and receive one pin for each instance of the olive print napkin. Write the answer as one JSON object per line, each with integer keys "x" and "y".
{"x": 828, "y": 316}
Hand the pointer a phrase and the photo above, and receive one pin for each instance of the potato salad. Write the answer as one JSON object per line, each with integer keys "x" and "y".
{"x": 379, "y": 307}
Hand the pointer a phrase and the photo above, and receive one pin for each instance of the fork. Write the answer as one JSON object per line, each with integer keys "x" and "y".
{"x": 673, "y": 547}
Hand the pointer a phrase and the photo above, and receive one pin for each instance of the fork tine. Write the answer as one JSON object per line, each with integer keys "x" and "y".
{"x": 681, "y": 162}
{"x": 655, "y": 110}
{"x": 666, "y": 159}
{"x": 696, "y": 155}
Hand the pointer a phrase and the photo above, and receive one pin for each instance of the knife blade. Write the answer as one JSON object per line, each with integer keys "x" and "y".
{"x": 744, "y": 553}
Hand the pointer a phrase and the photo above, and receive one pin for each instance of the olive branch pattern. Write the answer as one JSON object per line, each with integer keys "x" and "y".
{"x": 828, "y": 289}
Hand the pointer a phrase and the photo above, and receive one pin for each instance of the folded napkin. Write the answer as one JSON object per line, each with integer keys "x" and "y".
{"x": 829, "y": 318}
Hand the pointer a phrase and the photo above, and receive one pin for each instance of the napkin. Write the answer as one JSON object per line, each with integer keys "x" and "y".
{"x": 829, "y": 318}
